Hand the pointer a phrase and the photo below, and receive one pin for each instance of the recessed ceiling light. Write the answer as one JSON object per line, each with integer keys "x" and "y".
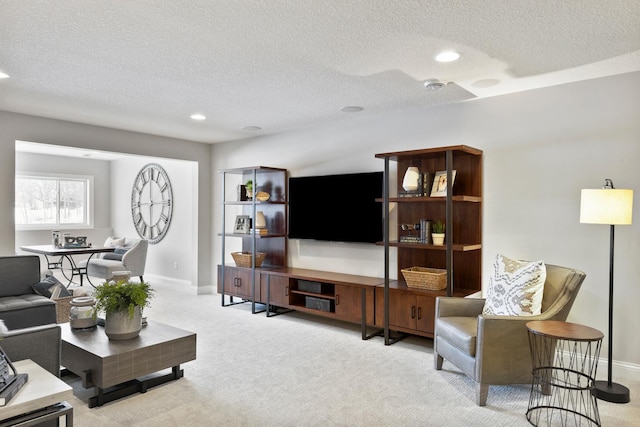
{"x": 351, "y": 109}
{"x": 198, "y": 116}
{"x": 447, "y": 56}
{"x": 3, "y": 75}
{"x": 252, "y": 128}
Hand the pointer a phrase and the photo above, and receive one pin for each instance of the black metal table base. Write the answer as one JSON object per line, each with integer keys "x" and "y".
{"x": 131, "y": 387}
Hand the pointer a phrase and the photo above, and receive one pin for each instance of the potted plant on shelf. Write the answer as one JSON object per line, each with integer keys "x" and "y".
{"x": 122, "y": 301}
{"x": 437, "y": 233}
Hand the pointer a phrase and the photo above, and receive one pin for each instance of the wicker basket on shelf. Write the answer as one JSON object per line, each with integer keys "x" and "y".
{"x": 243, "y": 259}
{"x": 63, "y": 309}
{"x": 433, "y": 279}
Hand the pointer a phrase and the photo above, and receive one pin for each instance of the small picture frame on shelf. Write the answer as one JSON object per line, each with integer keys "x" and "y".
{"x": 242, "y": 193}
{"x": 242, "y": 224}
{"x": 439, "y": 187}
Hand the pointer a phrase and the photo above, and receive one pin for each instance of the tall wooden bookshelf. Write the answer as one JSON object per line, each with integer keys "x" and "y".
{"x": 411, "y": 310}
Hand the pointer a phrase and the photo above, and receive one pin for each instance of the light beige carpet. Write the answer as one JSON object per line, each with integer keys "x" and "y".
{"x": 303, "y": 370}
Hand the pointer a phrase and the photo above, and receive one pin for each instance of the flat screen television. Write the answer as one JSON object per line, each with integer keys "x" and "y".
{"x": 336, "y": 208}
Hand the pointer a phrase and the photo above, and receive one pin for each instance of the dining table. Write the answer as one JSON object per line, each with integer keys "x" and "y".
{"x": 62, "y": 258}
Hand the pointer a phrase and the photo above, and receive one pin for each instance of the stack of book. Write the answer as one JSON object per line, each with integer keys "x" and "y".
{"x": 10, "y": 381}
{"x": 410, "y": 239}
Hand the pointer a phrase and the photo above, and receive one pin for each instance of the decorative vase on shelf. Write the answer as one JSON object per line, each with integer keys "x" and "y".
{"x": 411, "y": 179}
{"x": 438, "y": 239}
{"x": 437, "y": 234}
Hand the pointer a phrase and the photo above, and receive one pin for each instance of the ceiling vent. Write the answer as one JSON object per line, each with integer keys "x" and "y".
{"x": 433, "y": 84}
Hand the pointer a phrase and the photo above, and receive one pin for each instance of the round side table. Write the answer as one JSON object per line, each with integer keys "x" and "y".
{"x": 565, "y": 359}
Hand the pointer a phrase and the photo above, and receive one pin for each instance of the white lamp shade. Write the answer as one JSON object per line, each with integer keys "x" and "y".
{"x": 261, "y": 221}
{"x": 411, "y": 179}
{"x": 606, "y": 206}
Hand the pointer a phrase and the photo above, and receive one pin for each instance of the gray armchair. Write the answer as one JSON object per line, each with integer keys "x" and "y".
{"x": 133, "y": 260}
{"x": 42, "y": 344}
{"x": 495, "y": 349}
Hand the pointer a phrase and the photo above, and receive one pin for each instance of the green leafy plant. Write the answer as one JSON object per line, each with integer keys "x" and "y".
{"x": 122, "y": 295}
{"x": 438, "y": 227}
{"x": 249, "y": 185}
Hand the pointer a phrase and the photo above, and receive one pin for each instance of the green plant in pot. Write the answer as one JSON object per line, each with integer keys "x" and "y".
{"x": 437, "y": 233}
{"x": 122, "y": 301}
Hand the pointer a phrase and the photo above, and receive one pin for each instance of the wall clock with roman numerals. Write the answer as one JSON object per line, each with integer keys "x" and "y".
{"x": 152, "y": 203}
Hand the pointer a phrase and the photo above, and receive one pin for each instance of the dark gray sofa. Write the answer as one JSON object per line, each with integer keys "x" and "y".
{"x": 20, "y": 306}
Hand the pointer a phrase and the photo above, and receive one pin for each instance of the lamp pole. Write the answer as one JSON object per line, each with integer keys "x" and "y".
{"x": 608, "y": 390}
{"x": 612, "y": 207}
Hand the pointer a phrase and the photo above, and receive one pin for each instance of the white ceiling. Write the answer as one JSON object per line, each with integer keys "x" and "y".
{"x": 282, "y": 65}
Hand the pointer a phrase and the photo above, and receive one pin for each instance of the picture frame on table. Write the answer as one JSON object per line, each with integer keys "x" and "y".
{"x": 242, "y": 224}
{"x": 439, "y": 187}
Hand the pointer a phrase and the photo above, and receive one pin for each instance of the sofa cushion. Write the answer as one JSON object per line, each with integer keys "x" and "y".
{"x": 462, "y": 332}
{"x": 18, "y": 274}
{"x": 23, "y": 301}
{"x": 104, "y": 267}
{"x": 515, "y": 287}
{"x": 47, "y": 286}
{"x": 23, "y": 311}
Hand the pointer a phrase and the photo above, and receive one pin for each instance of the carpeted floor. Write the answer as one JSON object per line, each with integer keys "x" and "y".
{"x": 303, "y": 370}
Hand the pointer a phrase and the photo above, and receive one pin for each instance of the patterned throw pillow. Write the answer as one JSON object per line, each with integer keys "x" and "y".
{"x": 515, "y": 287}
{"x": 47, "y": 287}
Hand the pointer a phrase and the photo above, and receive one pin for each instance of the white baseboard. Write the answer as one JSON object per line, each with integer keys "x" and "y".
{"x": 201, "y": 290}
{"x": 621, "y": 371}
{"x": 177, "y": 282}
{"x": 206, "y": 290}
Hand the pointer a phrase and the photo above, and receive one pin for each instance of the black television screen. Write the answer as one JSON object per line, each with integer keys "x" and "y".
{"x": 337, "y": 208}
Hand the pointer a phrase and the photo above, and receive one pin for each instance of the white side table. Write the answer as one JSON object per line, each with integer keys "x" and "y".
{"x": 42, "y": 398}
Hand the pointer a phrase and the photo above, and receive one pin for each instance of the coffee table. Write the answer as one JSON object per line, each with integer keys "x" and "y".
{"x": 116, "y": 368}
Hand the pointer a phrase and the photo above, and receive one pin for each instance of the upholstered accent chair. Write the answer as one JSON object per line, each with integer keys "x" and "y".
{"x": 492, "y": 349}
{"x": 133, "y": 258}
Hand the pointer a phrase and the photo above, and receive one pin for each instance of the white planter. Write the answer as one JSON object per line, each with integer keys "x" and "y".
{"x": 119, "y": 326}
{"x": 438, "y": 239}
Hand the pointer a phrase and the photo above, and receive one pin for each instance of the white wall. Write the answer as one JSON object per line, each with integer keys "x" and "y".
{"x": 178, "y": 244}
{"x": 540, "y": 148}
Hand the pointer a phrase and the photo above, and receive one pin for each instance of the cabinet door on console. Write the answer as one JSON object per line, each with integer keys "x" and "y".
{"x": 237, "y": 281}
{"x": 278, "y": 290}
{"x": 348, "y": 302}
{"x": 403, "y": 311}
{"x": 425, "y": 313}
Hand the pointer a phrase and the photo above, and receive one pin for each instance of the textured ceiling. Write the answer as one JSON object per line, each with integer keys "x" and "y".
{"x": 147, "y": 65}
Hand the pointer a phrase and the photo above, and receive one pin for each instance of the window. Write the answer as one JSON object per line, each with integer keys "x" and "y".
{"x": 61, "y": 201}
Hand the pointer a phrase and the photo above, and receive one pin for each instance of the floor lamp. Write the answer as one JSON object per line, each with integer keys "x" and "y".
{"x": 608, "y": 206}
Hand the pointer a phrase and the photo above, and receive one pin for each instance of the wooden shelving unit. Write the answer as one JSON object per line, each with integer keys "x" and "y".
{"x": 410, "y": 310}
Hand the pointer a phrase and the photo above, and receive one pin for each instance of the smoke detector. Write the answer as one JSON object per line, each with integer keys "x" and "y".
{"x": 433, "y": 84}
